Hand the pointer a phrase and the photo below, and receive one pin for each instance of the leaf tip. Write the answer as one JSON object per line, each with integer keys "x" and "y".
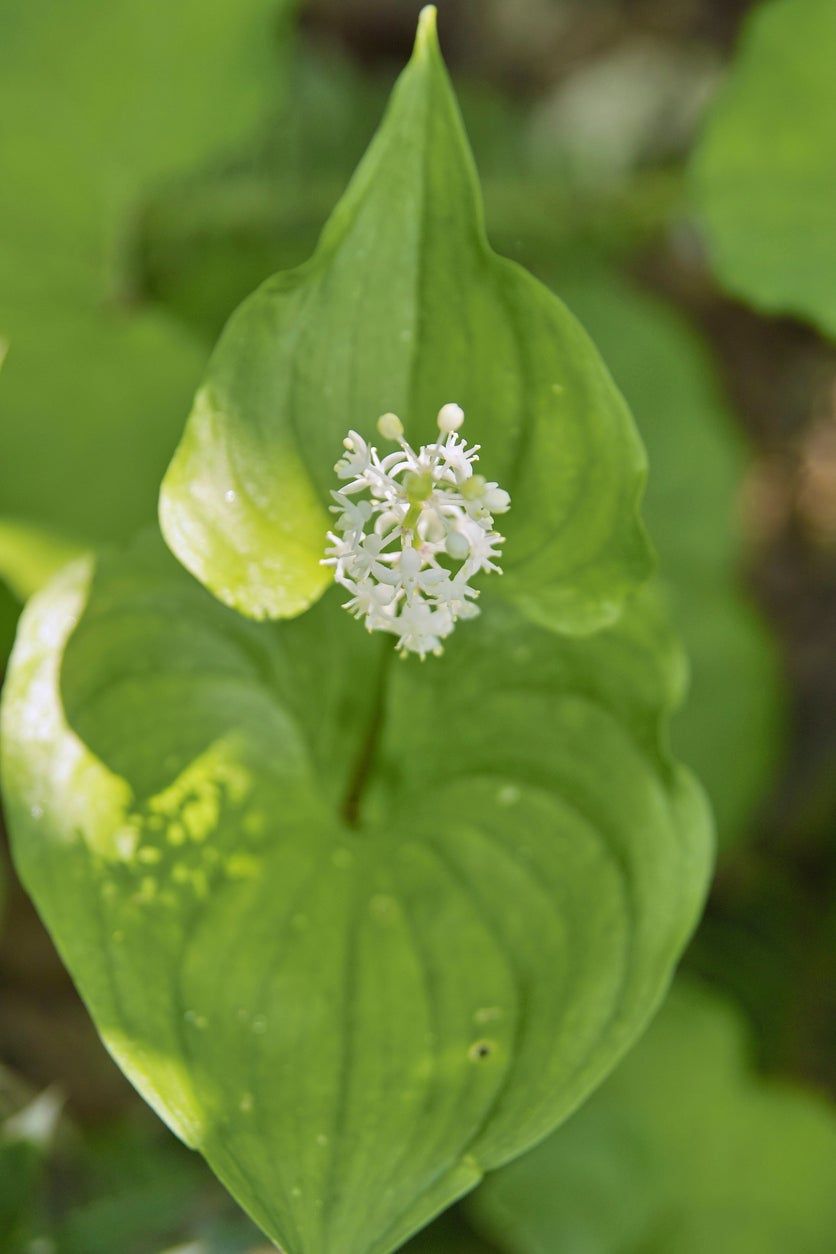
{"x": 426, "y": 39}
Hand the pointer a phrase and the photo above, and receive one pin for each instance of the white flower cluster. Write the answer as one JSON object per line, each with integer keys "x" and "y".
{"x": 412, "y": 530}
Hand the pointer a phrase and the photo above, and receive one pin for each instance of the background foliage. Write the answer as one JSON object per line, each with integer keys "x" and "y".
{"x": 137, "y": 221}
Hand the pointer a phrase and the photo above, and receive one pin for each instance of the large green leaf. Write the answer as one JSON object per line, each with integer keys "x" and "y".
{"x": 101, "y": 100}
{"x": 682, "y": 1151}
{"x": 359, "y": 930}
{"x": 732, "y": 710}
{"x": 764, "y": 173}
{"x": 403, "y": 307}
{"x": 205, "y": 242}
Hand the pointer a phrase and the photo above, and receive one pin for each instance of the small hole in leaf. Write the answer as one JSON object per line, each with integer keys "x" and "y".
{"x": 480, "y": 1050}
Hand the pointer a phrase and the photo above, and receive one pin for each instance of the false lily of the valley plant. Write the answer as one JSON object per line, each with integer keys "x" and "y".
{"x": 363, "y": 932}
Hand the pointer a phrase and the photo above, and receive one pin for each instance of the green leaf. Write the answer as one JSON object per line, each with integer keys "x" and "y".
{"x": 680, "y": 1152}
{"x": 25, "y": 1136}
{"x": 9, "y": 610}
{"x": 358, "y": 929}
{"x": 20, "y": 1169}
{"x": 204, "y": 243}
{"x": 448, "y": 1235}
{"x": 404, "y": 307}
{"x": 136, "y": 1189}
{"x": 116, "y": 98}
{"x": 764, "y": 173}
{"x": 733, "y": 709}
{"x": 127, "y": 1185}
{"x": 88, "y": 414}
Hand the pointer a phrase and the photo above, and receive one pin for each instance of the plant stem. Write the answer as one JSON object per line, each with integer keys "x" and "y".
{"x": 368, "y": 749}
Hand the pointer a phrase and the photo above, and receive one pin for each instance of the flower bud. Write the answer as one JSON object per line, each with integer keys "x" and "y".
{"x": 390, "y": 426}
{"x": 450, "y": 418}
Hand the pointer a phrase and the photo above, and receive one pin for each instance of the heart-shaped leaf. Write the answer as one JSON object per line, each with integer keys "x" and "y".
{"x": 682, "y": 1151}
{"x": 734, "y": 703}
{"x": 764, "y": 173}
{"x": 358, "y": 929}
{"x": 404, "y": 307}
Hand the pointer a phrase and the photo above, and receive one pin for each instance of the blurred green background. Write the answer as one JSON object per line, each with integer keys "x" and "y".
{"x": 669, "y": 168}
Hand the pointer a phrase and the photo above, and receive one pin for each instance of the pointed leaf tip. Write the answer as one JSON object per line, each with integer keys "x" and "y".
{"x": 427, "y": 34}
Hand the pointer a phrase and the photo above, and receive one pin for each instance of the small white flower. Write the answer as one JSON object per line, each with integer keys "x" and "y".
{"x": 421, "y": 628}
{"x": 483, "y": 549}
{"x": 411, "y": 529}
{"x": 369, "y": 598}
{"x": 352, "y": 515}
{"x": 339, "y": 555}
{"x": 357, "y": 459}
